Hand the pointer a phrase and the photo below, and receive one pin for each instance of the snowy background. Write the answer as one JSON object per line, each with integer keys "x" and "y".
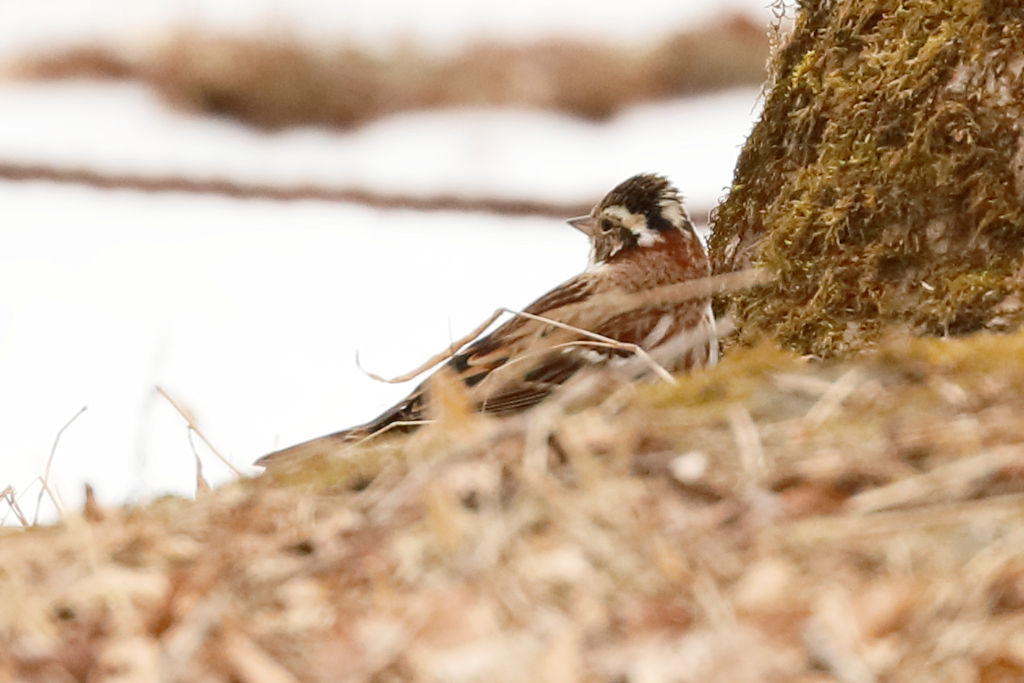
{"x": 250, "y": 312}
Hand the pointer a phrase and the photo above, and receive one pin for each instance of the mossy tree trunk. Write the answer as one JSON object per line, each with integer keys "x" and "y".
{"x": 884, "y": 182}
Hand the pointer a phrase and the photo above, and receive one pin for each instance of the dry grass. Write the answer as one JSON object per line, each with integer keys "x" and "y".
{"x": 276, "y": 84}
{"x": 857, "y": 521}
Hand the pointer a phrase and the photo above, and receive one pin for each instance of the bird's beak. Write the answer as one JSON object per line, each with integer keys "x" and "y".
{"x": 585, "y": 224}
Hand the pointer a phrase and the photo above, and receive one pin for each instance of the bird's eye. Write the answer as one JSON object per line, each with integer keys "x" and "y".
{"x": 606, "y": 225}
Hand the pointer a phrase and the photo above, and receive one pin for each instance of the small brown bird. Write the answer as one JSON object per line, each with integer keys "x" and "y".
{"x": 640, "y": 239}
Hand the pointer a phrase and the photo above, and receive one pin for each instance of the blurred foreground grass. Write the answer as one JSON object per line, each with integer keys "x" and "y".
{"x": 854, "y": 520}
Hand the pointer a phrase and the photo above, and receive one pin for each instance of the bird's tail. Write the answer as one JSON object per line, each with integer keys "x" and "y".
{"x": 400, "y": 418}
{"x": 321, "y": 446}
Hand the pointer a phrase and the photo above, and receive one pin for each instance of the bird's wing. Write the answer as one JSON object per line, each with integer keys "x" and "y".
{"x": 573, "y": 291}
{"x": 518, "y": 335}
{"x": 522, "y": 341}
{"x": 517, "y": 366}
{"x": 529, "y": 382}
{"x": 530, "y": 378}
{"x": 410, "y": 409}
{"x": 320, "y": 446}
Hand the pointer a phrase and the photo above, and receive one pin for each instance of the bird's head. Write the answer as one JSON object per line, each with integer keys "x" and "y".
{"x": 638, "y": 213}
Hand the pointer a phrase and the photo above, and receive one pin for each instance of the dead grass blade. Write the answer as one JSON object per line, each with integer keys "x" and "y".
{"x": 44, "y": 481}
{"x": 436, "y": 359}
{"x": 748, "y": 442}
{"x": 614, "y": 343}
{"x": 991, "y": 510}
{"x": 397, "y": 424}
{"x": 952, "y": 480}
{"x": 190, "y": 421}
{"x": 833, "y": 397}
{"x": 202, "y": 486}
{"x": 10, "y": 497}
{"x": 691, "y": 289}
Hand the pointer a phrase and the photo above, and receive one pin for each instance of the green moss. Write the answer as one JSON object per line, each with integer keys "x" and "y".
{"x": 883, "y": 182}
{"x": 727, "y": 383}
{"x": 975, "y": 359}
{"x": 353, "y": 470}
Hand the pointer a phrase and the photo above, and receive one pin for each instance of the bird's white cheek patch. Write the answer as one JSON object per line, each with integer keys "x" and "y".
{"x": 645, "y": 237}
{"x": 637, "y": 224}
{"x": 673, "y": 213}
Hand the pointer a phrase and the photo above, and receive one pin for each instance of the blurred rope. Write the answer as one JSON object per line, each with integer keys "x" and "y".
{"x": 14, "y": 172}
{"x": 284, "y": 193}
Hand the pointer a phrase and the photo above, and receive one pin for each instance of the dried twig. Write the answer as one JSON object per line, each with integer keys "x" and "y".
{"x": 748, "y": 441}
{"x": 990, "y": 510}
{"x": 633, "y": 348}
{"x": 436, "y": 359}
{"x": 397, "y": 424}
{"x": 598, "y": 340}
{"x": 833, "y": 397}
{"x": 10, "y": 497}
{"x": 44, "y": 481}
{"x": 235, "y": 189}
{"x": 683, "y": 291}
{"x": 195, "y": 428}
{"x": 202, "y": 486}
{"x": 249, "y": 662}
{"x": 952, "y": 480}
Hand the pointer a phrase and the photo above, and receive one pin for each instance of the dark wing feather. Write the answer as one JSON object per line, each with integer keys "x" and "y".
{"x": 553, "y": 368}
{"x": 539, "y": 376}
{"x": 572, "y": 291}
{"x": 409, "y": 410}
{"x": 489, "y": 353}
{"x": 543, "y": 377}
{"x": 320, "y": 446}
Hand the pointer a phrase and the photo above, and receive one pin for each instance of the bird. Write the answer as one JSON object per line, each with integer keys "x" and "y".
{"x": 641, "y": 239}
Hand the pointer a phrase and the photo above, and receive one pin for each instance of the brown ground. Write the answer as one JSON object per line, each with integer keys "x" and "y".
{"x": 857, "y": 521}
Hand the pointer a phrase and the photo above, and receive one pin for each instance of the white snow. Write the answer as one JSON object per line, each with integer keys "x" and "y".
{"x": 249, "y": 312}
{"x": 124, "y": 128}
